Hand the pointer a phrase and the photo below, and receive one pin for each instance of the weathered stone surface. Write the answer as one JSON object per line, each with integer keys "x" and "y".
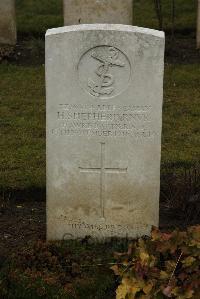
{"x": 104, "y": 116}
{"x": 7, "y": 22}
{"x": 98, "y": 11}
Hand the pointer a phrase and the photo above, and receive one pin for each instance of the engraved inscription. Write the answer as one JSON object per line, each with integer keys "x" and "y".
{"x": 111, "y": 121}
{"x": 114, "y": 229}
{"x": 104, "y": 72}
{"x": 103, "y": 170}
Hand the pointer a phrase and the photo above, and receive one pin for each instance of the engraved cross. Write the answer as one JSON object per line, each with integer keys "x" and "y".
{"x": 103, "y": 170}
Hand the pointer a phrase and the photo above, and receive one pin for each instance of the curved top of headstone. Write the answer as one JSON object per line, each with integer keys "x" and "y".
{"x": 106, "y": 27}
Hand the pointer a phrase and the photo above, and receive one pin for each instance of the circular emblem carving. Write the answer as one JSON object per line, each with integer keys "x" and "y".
{"x": 104, "y": 72}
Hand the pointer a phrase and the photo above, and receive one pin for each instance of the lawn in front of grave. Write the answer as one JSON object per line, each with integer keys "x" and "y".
{"x": 23, "y": 124}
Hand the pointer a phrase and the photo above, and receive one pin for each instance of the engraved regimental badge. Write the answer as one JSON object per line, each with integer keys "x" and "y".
{"x": 104, "y": 72}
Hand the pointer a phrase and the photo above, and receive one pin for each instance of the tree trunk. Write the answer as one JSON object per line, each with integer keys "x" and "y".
{"x": 158, "y": 8}
{"x": 173, "y": 18}
{"x": 198, "y": 25}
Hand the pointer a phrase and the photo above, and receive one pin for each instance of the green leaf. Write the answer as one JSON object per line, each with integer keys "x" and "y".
{"x": 188, "y": 261}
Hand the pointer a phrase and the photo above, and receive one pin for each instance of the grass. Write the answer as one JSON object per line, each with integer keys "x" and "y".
{"x": 185, "y": 14}
{"x": 22, "y": 91}
{"x": 23, "y": 127}
{"x": 34, "y": 17}
{"x": 181, "y": 138}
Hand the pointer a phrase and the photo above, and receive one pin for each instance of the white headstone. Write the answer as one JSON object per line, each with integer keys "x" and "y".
{"x": 7, "y": 22}
{"x": 98, "y": 11}
{"x": 104, "y": 116}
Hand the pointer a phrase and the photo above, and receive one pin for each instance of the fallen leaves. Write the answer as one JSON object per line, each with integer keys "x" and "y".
{"x": 167, "y": 264}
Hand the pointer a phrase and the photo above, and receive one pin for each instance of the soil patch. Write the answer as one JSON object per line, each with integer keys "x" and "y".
{"x": 20, "y": 223}
{"x": 23, "y": 222}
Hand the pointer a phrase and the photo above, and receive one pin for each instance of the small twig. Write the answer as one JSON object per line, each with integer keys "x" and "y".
{"x": 96, "y": 265}
{"x": 179, "y": 258}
